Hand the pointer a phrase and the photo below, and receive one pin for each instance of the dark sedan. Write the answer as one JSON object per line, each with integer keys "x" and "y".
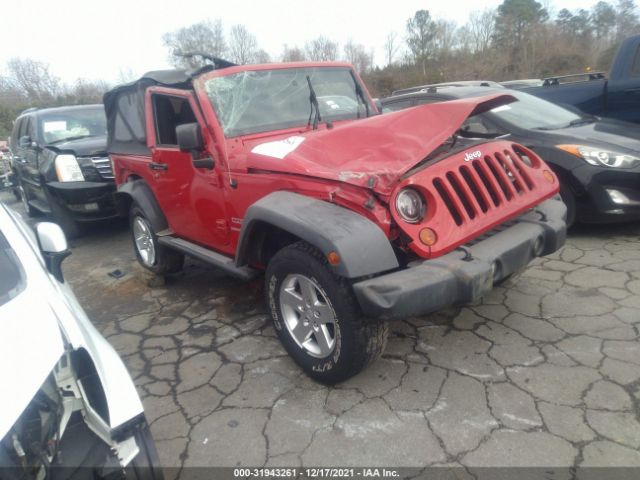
{"x": 597, "y": 160}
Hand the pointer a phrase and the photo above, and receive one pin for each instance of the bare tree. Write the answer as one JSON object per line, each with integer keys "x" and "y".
{"x": 34, "y": 79}
{"x": 262, "y": 56}
{"x": 206, "y": 37}
{"x": 86, "y": 91}
{"x": 356, "y": 54}
{"x": 481, "y": 29}
{"x": 321, "y": 49}
{"x": 243, "y": 47}
{"x": 293, "y": 54}
{"x": 391, "y": 47}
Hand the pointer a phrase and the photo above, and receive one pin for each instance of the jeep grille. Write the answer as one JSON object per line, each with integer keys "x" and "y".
{"x": 483, "y": 184}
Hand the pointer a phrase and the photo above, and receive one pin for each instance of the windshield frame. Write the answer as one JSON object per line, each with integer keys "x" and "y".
{"x": 302, "y": 124}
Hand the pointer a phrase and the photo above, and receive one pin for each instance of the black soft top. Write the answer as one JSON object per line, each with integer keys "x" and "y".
{"x": 125, "y": 109}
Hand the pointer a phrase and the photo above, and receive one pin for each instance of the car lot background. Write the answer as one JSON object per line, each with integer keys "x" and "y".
{"x": 546, "y": 371}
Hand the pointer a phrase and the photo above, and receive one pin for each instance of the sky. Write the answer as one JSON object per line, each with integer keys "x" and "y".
{"x": 100, "y": 39}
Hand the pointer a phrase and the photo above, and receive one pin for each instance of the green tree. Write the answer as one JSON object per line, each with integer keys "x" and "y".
{"x": 420, "y": 34}
{"x": 516, "y": 18}
{"x": 603, "y": 19}
{"x": 626, "y": 19}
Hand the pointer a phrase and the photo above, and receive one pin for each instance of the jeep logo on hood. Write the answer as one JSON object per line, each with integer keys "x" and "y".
{"x": 472, "y": 156}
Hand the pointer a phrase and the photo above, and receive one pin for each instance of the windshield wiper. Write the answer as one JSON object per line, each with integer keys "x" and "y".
{"x": 69, "y": 139}
{"x": 360, "y": 94}
{"x": 575, "y": 122}
{"x": 581, "y": 121}
{"x": 313, "y": 100}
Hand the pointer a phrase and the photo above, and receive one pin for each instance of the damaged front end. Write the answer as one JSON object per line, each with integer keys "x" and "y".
{"x": 69, "y": 408}
{"x": 62, "y": 433}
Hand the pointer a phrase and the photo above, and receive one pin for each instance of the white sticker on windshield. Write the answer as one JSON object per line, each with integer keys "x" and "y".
{"x": 55, "y": 126}
{"x": 501, "y": 108}
{"x": 280, "y": 148}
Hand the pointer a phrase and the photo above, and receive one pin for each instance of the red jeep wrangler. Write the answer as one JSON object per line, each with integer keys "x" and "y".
{"x": 355, "y": 217}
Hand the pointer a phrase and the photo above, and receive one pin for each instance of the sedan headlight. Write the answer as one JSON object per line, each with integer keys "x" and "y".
{"x": 68, "y": 169}
{"x": 410, "y": 205}
{"x": 601, "y": 157}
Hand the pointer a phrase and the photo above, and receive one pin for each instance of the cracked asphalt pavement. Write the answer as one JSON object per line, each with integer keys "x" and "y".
{"x": 543, "y": 372}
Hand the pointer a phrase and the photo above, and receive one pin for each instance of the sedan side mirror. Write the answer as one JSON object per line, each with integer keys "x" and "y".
{"x": 189, "y": 136}
{"x": 54, "y": 248}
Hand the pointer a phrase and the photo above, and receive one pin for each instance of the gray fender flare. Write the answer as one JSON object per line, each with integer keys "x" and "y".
{"x": 363, "y": 247}
{"x": 141, "y": 193}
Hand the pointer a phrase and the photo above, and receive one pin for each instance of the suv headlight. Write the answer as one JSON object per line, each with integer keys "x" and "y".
{"x": 600, "y": 157}
{"x": 410, "y": 205}
{"x": 68, "y": 169}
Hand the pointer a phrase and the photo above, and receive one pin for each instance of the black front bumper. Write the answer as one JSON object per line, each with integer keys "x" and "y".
{"x": 464, "y": 276}
{"x": 85, "y": 201}
{"x": 606, "y": 195}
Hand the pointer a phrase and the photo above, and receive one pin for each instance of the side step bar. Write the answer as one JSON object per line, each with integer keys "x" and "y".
{"x": 213, "y": 258}
{"x": 40, "y": 205}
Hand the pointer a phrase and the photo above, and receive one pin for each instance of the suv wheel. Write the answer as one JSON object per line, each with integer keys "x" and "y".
{"x": 151, "y": 255}
{"x": 317, "y": 318}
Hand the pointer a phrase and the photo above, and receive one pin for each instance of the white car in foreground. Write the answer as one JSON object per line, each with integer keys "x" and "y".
{"x": 68, "y": 408}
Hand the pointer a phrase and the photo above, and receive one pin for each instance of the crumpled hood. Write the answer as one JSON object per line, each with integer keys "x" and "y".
{"x": 371, "y": 152}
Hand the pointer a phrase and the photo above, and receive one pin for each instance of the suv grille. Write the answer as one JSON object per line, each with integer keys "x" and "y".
{"x": 103, "y": 165}
{"x": 483, "y": 184}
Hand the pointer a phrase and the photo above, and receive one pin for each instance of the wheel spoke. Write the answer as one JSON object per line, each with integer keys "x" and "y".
{"x": 324, "y": 340}
{"x": 301, "y": 332}
{"x": 308, "y": 290}
{"x": 292, "y": 299}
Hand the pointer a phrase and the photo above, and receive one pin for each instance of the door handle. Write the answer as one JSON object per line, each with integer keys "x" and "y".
{"x": 632, "y": 90}
{"x": 158, "y": 166}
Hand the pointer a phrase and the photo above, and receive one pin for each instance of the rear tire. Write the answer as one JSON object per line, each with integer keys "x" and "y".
{"x": 317, "y": 318}
{"x": 151, "y": 255}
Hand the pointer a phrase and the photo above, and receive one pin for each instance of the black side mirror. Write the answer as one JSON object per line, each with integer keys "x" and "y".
{"x": 189, "y": 136}
{"x": 25, "y": 142}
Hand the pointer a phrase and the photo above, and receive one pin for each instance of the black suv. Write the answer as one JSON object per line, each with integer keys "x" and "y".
{"x": 59, "y": 156}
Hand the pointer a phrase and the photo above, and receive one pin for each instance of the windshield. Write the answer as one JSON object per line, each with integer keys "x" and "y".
{"x": 11, "y": 278}
{"x": 73, "y": 124}
{"x": 533, "y": 113}
{"x": 263, "y": 100}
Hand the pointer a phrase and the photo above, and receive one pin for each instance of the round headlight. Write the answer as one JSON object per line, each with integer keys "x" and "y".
{"x": 410, "y": 205}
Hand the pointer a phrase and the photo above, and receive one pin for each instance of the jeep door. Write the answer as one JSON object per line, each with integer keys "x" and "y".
{"x": 191, "y": 198}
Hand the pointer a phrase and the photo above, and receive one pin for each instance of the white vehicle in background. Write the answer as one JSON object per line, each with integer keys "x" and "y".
{"x": 68, "y": 408}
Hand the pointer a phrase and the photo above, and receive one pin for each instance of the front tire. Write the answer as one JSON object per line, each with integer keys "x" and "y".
{"x": 151, "y": 255}
{"x": 570, "y": 201}
{"x": 317, "y": 318}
